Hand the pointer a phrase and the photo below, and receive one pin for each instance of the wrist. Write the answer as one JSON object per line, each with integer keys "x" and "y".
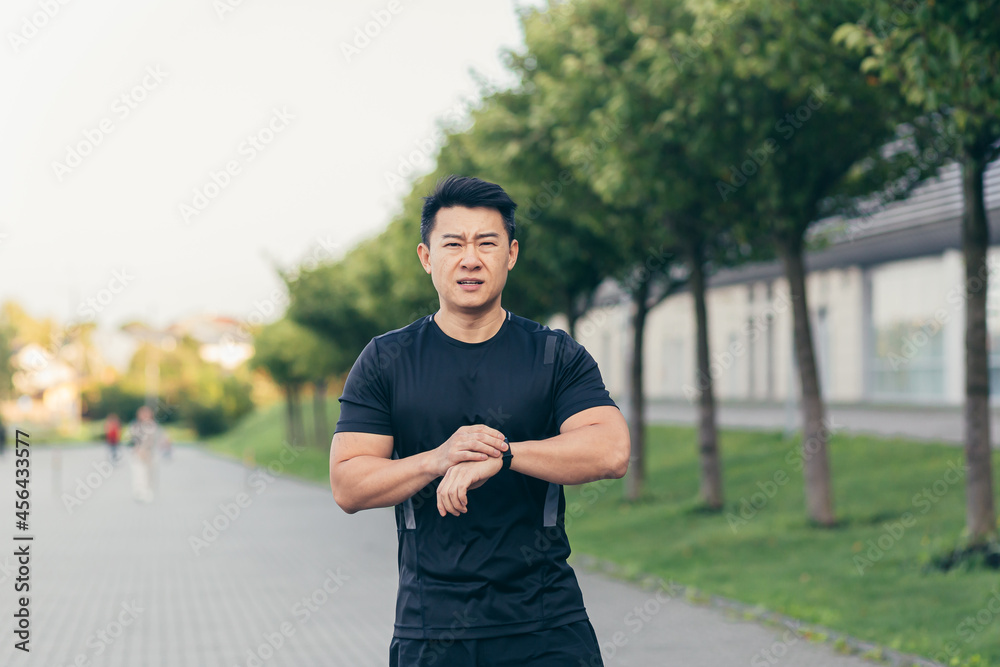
{"x": 433, "y": 465}
{"x": 508, "y": 456}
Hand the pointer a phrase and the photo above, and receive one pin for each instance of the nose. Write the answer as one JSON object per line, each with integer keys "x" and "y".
{"x": 470, "y": 258}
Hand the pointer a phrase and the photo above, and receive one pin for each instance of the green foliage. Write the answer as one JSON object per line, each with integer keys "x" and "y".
{"x": 278, "y": 350}
{"x": 943, "y": 57}
{"x": 216, "y": 403}
{"x": 101, "y": 401}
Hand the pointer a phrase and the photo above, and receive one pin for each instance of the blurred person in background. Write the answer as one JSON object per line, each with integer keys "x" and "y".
{"x": 113, "y": 435}
{"x": 145, "y": 438}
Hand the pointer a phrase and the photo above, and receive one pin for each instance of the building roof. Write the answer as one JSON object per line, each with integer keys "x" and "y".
{"x": 925, "y": 223}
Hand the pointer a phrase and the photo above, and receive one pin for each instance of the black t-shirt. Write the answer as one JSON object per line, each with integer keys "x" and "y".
{"x": 501, "y": 567}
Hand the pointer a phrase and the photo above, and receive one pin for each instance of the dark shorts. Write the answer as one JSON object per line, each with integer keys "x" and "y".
{"x": 571, "y": 645}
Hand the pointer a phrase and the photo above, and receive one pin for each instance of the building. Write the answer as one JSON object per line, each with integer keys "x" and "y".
{"x": 886, "y": 305}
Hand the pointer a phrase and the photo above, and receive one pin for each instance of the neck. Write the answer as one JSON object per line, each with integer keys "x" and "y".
{"x": 470, "y": 327}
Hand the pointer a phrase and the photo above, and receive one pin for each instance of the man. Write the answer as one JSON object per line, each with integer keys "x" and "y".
{"x": 469, "y": 421}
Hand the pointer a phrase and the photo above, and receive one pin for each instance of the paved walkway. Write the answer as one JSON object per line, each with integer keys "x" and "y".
{"x": 286, "y": 580}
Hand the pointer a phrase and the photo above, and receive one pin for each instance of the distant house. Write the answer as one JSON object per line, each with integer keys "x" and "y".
{"x": 885, "y": 301}
{"x": 221, "y": 340}
{"x": 46, "y": 390}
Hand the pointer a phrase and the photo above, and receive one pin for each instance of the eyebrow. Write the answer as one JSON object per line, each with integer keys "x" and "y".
{"x": 481, "y": 235}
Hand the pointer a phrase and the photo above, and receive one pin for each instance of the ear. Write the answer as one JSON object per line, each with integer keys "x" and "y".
{"x": 512, "y": 259}
{"x": 424, "y": 254}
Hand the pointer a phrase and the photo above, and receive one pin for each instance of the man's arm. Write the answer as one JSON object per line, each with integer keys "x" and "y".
{"x": 592, "y": 444}
{"x": 363, "y": 475}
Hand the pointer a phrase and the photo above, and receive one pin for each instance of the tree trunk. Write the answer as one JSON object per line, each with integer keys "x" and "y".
{"x": 980, "y": 514}
{"x": 815, "y": 458}
{"x": 572, "y": 315}
{"x": 320, "y": 426}
{"x": 708, "y": 441}
{"x": 289, "y": 391}
{"x": 296, "y": 428}
{"x": 637, "y": 403}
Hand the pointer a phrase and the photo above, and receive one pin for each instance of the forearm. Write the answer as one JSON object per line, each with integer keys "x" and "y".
{"x": 365, "y": 482}
{"x": 582, "y": 455}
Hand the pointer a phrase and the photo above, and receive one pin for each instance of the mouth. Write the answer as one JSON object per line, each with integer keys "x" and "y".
{"x": 470, "y": 284}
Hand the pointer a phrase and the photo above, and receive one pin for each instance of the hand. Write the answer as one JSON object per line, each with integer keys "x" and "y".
{"x": 452, "y": 493}
{"x": 477, "y": 442}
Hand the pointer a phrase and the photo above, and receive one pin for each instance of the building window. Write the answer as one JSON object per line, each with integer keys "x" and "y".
{"x": 909, "y": 360}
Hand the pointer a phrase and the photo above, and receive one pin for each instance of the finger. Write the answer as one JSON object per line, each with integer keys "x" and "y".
{"x": 488, "y": 447}
{"x": 457, "y": 497}
{"x": 496, "y": 433}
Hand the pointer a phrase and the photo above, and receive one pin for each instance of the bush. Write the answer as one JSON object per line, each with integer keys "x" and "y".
{"x": 111, "y": 399}
{"x": 218, "y": 406}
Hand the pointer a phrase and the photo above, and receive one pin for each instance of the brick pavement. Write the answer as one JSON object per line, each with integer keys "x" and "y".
{"x": 118, "y": 583}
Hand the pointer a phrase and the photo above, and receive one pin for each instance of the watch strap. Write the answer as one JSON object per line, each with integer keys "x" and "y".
{"x": 508, "y": 455}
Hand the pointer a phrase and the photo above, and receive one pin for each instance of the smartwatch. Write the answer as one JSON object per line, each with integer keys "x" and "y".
{"x": 508, "y": 456}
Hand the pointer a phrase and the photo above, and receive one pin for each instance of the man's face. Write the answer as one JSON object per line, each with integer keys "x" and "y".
{"x": 468, "y": 257}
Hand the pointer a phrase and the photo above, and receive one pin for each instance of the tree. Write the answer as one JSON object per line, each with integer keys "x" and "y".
{"x": 277, "y": 350}
{"x": 574, "y": 61}
{"x": 614, "y": 69}
{"x": 807, "y": 126}
{"x": 319, "y": 359}
{"x": 944, "y": 57}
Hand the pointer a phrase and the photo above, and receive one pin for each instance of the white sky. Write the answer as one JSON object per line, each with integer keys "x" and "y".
{"x": 320, "y": 182}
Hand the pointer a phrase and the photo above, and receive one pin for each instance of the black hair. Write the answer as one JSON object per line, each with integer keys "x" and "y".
{"x": 468, "y": 192}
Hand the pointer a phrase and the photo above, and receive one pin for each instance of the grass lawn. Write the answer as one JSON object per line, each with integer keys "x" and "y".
{"x": 899, "y": 504}
{"x": 263, "y": 434}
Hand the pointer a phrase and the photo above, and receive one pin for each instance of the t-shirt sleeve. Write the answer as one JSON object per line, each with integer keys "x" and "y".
{"x": 578, "y": 384}
{"x": 364, "y": 405}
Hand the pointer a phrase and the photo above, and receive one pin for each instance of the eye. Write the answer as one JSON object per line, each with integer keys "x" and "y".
{"x": 449, "y": 245}
{"x": 488, "y": 243}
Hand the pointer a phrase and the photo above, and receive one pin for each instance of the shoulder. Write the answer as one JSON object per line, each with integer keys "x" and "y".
{"x": 541, "y": 333}
{"x": 403, "y": 333}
